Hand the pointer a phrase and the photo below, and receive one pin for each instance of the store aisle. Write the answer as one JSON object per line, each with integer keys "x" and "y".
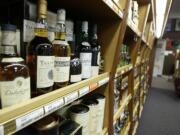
{"x": 161, "y": 114}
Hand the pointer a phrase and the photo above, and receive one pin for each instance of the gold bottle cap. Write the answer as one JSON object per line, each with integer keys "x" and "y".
{"x": 42, "y": 11}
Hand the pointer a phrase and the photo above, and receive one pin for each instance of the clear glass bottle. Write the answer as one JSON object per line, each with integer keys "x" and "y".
{"x": 62, "y": 52}
{"x": 40, "y": 59}
{"x": 14, "y": 74}
{"x": 85, "y": 52}
{"x": 95, "y": 51}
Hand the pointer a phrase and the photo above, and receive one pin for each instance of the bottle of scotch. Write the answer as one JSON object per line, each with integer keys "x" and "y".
{"x": 75, "y": 64}
{"x": 62, "y": 52}
{"x": 95, "y": 50}
{"x": 40, "y": 59}
{"x": 14, "y": 74}
{"x": 85, "y": 52}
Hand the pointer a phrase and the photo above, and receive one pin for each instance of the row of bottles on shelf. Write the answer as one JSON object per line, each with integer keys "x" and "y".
{"x": 50, "y": 65}
{"x": 121, "y": 123}
{"x": 120, "y": 91}
{"x": 82, "y": 117}
{"x": 125, "y": 56}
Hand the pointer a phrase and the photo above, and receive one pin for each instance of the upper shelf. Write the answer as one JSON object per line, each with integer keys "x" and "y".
{"x": 133, "y": 28}
{"x": 16, "y": 117}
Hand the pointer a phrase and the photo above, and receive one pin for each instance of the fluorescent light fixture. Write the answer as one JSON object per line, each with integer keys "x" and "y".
{"x": 160, "y": 15}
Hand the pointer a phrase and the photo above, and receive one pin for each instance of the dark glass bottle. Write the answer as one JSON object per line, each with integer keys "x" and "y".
{"x": 40, "y": 59}
{"x": 85, "y": 52}
{"x": 14, "y": 74}
{"x": 62, "y": 52}
{"x": 95, "y": 50}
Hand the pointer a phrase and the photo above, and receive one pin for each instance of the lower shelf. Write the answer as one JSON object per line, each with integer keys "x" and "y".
{"x": 135, "y": 128}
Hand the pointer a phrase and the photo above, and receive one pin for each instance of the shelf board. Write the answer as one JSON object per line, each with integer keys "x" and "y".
{"x": 123, "y": 70}
{"x": 127, "y": 128}
{"x": 17, "y": 117}
{"x": 135, "y": 128}
{"x": 134, "y": 28}
{"x": 136, "y": 88}
{"x": 135, "y": 109}
{"x": 114, "y": 7}
{"x": 121, "y": 109}
{"x": 140, "y": 114}
{"x": 104, "y": 131}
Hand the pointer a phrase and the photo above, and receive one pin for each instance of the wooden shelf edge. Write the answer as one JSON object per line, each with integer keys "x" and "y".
{"x": 104, "y": 131}
{"x": 121, "y": 109}
{"x": 54, "y": 100}
{"x": 127, "y": 129}
{"x": 114, "y": 8}
{"x": 123, "y": 70}
{"x": 134, "y": 28}
{"x": 140, "y": 114}
{"x": 135, "y": 128}
{"x": 135, "y": 109}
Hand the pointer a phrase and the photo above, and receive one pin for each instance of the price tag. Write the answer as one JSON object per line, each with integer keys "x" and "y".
{"x": 29, "y": 118}
{"x": 83, "y": 91}
{"x": 93, "y": 86}
{"x": 71, "y": 97}
{"x": 104, "y": 81}
{"x": 53, "y": 106}
{"x": 1, "y": 130}
{"x": 177, "y": 64}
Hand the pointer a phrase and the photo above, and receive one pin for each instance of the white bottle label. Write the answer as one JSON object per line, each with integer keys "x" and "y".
{"x": 8, "y": 38}
{"x": 75, "y": 78}
{"x": 86, "y": 64}
{"x": 62, "y": 68}
{"x": 1, "y": 130}
{"x": 45, "y": 67}
{"x": 28, "y": 33}
{"x": 16, "y": 91}
{"x": 94, "y": 71}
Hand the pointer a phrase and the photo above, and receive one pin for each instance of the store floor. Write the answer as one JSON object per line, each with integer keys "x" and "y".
{"x": 161, "y": 114}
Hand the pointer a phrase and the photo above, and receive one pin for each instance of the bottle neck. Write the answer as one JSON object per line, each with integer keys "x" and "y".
{"x": 84, "y": 35}
{"x": 41, "y": 29}
{"x": 60, "y": 33}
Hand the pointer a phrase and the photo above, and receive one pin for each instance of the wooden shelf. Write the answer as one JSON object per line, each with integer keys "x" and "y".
{"x": 127, "y": 129}
{"x": 123, "y": 70}
{"x": 121, "y": 109}
{"x": 104, "y": 131}
{"x": 134, "y": 28}
{"x": 114, "y": 7}
{"x": 136, "y": 88}
{"x": 135, "y": 128}
{"x": 16, "y": 117}
{"x": 140, "y": 113}
{"x": 135, "y": 110}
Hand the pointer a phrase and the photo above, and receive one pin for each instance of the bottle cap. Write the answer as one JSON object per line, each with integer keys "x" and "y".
{"x": 61, "y": 16}
{"x": 8, "y": 27}
{"x": 42, "y": 11}
{"x": 85, "y": 26}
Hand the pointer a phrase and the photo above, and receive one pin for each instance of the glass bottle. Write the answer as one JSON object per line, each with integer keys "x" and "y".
{"x": 75, "y": 64}
{"x": 62, "y": 52}
{"x": 14, "y": 74}
{"x": 85, "y": 52}
{"x": 40, "y": 59}
{"x": 95, "y": 51}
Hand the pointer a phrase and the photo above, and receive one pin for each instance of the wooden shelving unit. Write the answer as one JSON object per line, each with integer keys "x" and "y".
{"x": 114, "y": 29}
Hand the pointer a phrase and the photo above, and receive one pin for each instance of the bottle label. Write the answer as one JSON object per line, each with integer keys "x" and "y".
{"x": 85, "y": 44}
{"x": 45, "y": 67}
{"x": 60, "y": 42}
{"x": 95, "y": 71}
{"x": 62, "y": 69}
{"x": 75, "y": 78}
{"x": 86, "y": 64}
{"x": 16, "y": 91}
{"x": 8, "y": 49}
{"x": 8, "y": 38}
{"x": 28, "y": 33}
{"x": 12, "y": 60}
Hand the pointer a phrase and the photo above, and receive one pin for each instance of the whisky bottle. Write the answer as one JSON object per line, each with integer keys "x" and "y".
{"x": 62, "y": 52}
{"x": 40, "y": 59}
{"x": 95, "y": 50}
{"x": 85, "y": 52}
{"x": 14, "y": 74}
{"x": 75, "y": 64}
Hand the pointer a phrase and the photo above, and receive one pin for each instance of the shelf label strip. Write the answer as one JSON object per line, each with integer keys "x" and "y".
{"x": 71, "y": 97}
{"x": 93, "y": 86}
{"x": 1, "y": 130}
{"x": 104, "y": 81}
{"x": 83, "y": 91}
{"x": 53, "y": 106}
{"x": 29, "y": 118}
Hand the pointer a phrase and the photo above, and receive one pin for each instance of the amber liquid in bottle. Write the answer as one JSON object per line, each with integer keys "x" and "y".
{"x": 62, "y": 52}
{"x": 40, "y": 59}
{"x": 14, "y": 74}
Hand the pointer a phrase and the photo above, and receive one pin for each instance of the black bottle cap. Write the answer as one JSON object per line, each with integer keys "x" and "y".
{"x": 90, "y": 101}
{"x": 8, "y": 27}
{"x": 80, "y": 108}
{"x": 98, "y": 96}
